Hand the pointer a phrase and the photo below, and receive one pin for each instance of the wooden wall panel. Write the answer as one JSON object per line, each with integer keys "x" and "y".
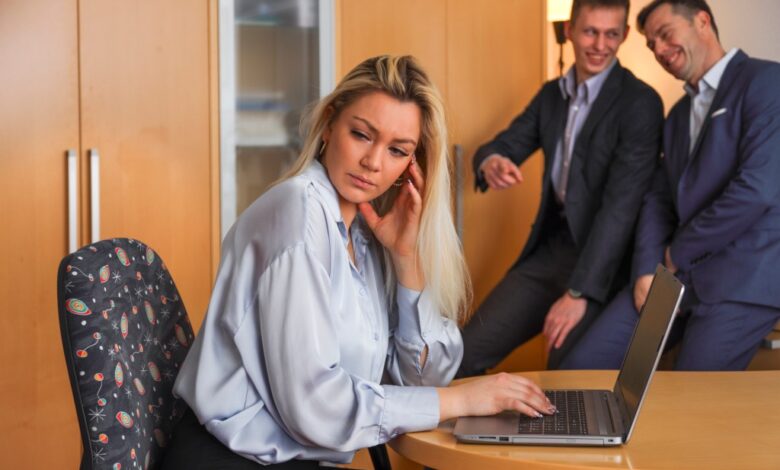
{"x": 372, "y": 27}
{"x": 494, "y": 68}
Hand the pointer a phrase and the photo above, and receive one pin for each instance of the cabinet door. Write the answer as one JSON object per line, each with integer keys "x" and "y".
{"x": 38, "y": 124}
{"x": 145, "y": 107}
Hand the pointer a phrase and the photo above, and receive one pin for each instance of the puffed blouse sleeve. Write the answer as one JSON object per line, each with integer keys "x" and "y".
{"x": 318, "y": 402}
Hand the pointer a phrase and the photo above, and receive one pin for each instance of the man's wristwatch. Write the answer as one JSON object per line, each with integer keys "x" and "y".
{"x": 575, "y": 293}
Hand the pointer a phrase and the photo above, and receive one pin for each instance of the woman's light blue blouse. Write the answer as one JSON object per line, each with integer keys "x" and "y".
{"x": 290, "y": 356}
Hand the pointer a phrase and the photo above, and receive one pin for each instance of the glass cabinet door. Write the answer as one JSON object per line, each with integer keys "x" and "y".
{"x": 276, "y": 57}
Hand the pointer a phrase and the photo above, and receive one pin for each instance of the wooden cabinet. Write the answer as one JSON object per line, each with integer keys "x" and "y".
{"x": 487, "y": 59}
{"x": 132, "y": 80}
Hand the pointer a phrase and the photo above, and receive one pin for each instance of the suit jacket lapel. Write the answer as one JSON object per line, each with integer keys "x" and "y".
{"x": 607, "y": 96}
{"x": 725, "y": 83}
{"x": 554, "y": 132}
{"x": 679, "y": 128}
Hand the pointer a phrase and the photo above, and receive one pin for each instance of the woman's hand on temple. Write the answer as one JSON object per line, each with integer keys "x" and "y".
{"x": 397, "y": 230}
{"x": 493, "y": 394}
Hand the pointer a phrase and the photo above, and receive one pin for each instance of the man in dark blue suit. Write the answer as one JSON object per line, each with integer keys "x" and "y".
{"x": 713, "y": 212}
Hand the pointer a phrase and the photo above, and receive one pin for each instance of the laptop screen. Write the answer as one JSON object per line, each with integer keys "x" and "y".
{"x": 649, "y": 338}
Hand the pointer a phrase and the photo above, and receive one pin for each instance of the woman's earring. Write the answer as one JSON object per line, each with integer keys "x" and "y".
{"x": 322, "y": 149}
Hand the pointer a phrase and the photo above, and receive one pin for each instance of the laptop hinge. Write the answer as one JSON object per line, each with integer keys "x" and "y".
{"x": 618, "y": 414}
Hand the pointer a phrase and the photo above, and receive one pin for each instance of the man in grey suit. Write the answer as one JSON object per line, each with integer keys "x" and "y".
{"x": 599, "y": 128}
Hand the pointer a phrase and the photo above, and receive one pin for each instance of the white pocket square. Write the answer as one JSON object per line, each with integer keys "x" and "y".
{"x": 718, "y": 112}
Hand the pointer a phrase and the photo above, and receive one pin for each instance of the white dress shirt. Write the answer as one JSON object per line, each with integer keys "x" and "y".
{"x": 580, "y": 98}
{"x": 704, "y": 94}
{"x": 289, "y": 360}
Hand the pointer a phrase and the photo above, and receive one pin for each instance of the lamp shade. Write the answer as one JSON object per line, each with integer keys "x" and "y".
{"x": 558, "y": 10}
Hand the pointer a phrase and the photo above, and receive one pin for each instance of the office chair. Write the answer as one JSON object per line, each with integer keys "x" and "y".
{"x": 379, "y": 457}
{"x": 125, "y": 333}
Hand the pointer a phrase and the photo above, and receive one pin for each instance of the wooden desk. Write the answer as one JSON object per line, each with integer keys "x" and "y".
{"x": 702, "y": 420}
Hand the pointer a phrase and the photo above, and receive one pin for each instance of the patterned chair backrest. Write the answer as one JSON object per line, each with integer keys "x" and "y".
{"x": 125, "y": 333}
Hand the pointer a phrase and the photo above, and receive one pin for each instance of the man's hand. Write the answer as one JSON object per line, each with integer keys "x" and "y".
{"x": 641, "y": 288}
{"x": 564, "y": 315}
{"x": 500, "y": 172}
{"x": 668, "y": 260}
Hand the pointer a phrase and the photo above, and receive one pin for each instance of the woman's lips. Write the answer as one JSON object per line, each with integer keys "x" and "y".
{"x": 361, "y": 182}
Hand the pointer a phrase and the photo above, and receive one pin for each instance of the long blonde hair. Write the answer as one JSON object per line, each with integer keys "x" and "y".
{"x": 438, "y": 245}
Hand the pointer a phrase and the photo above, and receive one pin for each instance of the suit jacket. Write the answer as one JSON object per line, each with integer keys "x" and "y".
{"x": 719, "y": 206}
{"x": 611, "y": 167}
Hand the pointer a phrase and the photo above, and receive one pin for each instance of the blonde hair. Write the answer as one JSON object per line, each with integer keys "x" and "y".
{"x": 438, "y": 246}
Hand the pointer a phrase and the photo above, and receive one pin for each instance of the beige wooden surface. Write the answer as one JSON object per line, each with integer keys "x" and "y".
{"x": 133, "y": 80}
{"x": 38, "y": 124}
{"x": 494, "y": 68}
{"x": 367, "y": 28}
{"x": 145, "y": 106}
{"x": 690, "y": 420}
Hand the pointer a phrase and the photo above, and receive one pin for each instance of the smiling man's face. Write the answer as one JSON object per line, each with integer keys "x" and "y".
{"x": 596, "y": 35}
{"x": 677, "y": 42}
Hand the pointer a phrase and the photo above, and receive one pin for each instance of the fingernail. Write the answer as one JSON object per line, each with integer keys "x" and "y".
{"x": 552, "y": 409}
{"x": 539, "y": 415}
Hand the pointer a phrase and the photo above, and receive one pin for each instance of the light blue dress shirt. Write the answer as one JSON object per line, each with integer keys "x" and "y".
{"x": 702, "y": 98}
{"x": 581, "y": 98}
{"x": 289, "y": 360}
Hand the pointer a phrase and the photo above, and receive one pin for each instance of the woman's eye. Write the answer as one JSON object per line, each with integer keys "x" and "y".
{"x": 360, "y": 135}
{"x": 398, "y": 152}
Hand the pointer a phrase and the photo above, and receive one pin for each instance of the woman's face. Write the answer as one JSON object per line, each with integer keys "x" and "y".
{"x": 368, "y": 146}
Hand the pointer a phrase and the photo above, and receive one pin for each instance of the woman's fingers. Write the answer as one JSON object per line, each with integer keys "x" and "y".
{"x": 415, "y": 196}
{"x": 417, "y": 177}
{"x": 524, "y": 396}
{"x": 369, "y": 214}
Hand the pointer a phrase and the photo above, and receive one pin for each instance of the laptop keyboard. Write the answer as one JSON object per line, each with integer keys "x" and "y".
{"x": 569, "y": 420}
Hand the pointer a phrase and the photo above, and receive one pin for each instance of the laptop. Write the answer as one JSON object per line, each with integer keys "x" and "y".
{"x": 593, "y": 417}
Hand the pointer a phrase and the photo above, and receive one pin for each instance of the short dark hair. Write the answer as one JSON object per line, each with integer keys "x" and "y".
{"x": 686, "y": 8}
{"x": 577, "y": 5}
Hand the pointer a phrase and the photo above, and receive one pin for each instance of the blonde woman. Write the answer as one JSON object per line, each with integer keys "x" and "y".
{"x": 346, "y": 270}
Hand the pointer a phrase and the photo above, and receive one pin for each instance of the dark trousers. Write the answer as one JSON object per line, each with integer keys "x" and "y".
{"x": 194, "y": 448}
{"x": 515, "y": 310}
{"x": 722, "y": 336}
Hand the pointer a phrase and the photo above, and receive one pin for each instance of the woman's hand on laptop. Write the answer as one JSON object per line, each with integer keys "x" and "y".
{"x": 493, "y": 394}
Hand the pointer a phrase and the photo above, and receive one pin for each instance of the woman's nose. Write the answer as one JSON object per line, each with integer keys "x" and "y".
{"x": 372, "y": 158}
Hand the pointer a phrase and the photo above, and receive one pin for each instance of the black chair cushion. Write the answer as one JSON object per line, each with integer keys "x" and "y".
{"x": 125, "y": 332}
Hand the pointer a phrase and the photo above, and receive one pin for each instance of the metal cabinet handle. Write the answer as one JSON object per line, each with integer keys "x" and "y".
{"x": 458, "y": 154}
{"x": 94, "y": 180}
{"x": 73, "y": 201}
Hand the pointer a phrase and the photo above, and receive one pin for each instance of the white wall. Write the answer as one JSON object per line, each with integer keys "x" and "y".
{"x": 751, "y": 25}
